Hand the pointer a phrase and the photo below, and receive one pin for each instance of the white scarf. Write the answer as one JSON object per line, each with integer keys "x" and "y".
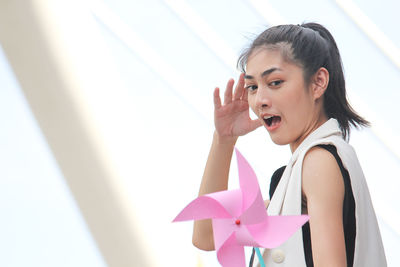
{"x": 286, "y": 200}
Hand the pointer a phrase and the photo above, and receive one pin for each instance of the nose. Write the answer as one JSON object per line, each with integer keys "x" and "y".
{"x": 262, "y": 99}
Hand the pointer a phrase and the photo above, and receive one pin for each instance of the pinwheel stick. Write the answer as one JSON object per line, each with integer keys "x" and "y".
{"x": 260, "y": 258}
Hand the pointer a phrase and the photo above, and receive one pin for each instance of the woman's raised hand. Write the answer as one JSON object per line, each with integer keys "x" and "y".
{"x": 232, "y": 119}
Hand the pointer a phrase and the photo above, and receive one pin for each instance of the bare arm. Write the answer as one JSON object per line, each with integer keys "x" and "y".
{"x": 323, "y": 188}
{"x": 215, "y": 179}
{"x": 231, "y": 120}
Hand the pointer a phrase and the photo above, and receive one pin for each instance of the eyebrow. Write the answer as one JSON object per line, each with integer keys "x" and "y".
{"x": 265, "y": 73}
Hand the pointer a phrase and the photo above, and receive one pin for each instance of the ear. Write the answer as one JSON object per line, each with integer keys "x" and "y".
{"x": 319, "y": 82}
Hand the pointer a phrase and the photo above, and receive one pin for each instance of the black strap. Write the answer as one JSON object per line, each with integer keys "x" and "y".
{"x": 252, "y": 258}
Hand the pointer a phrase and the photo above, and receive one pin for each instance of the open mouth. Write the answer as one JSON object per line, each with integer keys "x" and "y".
{"x": 272, "y": 120}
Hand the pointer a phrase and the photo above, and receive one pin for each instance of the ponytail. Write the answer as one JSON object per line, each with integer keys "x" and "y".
{"x": 335, "y": 99}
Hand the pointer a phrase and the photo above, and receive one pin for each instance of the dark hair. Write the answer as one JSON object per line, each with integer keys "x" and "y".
{"x": 311, "y": 46}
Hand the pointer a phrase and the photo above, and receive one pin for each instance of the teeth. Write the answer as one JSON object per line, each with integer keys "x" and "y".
{"x": 267, "y": 117}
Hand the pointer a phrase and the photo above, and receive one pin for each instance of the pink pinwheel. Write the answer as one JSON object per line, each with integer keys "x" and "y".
{"x": 239, "y": 218}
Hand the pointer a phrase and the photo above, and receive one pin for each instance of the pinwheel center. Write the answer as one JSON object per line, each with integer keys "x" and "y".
{"x": 237, "y": 221}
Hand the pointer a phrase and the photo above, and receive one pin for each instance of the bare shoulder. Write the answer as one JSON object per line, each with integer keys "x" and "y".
{"x": 321, "y": 175}
{"x": 323, "y": 189}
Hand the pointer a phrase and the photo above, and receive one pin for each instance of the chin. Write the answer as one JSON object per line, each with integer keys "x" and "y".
{"x": 279, "y": 140}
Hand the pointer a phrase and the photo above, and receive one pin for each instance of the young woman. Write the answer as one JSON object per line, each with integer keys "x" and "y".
{"x": 293, "y": 81}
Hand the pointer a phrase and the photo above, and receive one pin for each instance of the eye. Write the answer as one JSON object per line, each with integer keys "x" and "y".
{"x": 275, "y": 83}
{"x": 251, "y": 88}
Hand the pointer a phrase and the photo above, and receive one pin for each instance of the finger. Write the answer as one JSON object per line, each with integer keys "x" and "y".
{"x": 266, "y": 202}
{"x": 239, "y": 88}
{"x": 228, "y": 92}
{"x": 245, "y": 95}
{"x": 217, "y": 99}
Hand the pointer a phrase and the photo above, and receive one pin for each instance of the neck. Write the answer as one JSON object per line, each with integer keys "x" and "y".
{"x": 311, "y": 128}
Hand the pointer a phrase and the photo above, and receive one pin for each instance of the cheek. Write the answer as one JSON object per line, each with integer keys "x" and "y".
{"x": 300, "y": 114}
{"x": 288, "y": 103}
{"x": 295, "y": 107}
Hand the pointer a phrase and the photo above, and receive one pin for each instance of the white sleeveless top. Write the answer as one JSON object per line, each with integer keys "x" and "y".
{"x": 369, "y": 251}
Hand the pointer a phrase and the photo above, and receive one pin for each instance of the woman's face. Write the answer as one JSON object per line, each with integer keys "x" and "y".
{"x": 278, "y": 96}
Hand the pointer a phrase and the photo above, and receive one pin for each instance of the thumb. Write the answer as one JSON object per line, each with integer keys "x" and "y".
{"x": 254, "y": 124}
